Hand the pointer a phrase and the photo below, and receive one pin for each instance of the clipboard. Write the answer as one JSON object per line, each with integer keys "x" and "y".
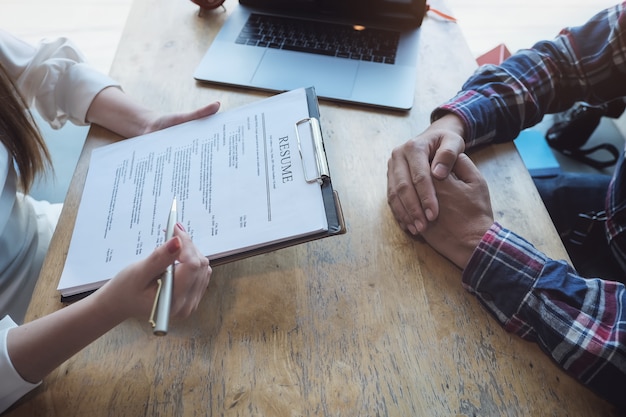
{"x": 118, "y": 221}
{"x": 318, "y": 172}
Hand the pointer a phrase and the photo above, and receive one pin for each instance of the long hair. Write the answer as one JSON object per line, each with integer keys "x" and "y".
{"x": 19, "y": 133}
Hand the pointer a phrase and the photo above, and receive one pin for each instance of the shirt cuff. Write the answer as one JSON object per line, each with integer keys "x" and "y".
{"x": 77, "y": 90}
{"x": 502, "y": 271}
{"x": 12, "y": 385}
{"x": 478, "y": 115}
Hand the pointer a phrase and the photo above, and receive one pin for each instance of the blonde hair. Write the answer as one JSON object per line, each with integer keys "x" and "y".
{"x": 20, "y": 134}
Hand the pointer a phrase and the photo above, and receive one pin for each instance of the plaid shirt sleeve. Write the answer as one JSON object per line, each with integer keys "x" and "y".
{"x": 580, "y": 323}
{"x": 586, "y": 63}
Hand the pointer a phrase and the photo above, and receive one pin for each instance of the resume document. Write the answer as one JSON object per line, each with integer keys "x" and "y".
{"x": 238, "y": 178}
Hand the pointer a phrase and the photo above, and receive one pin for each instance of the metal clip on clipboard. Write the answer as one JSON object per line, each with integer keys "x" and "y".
{"x": 317, "y": 147}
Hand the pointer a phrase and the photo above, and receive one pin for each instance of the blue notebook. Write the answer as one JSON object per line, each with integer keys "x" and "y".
{"x": 537, "y": 154}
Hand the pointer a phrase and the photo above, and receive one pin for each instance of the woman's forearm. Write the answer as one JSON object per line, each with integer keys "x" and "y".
{"x": 38, "y": 347}
{"x": 114, "y": 110}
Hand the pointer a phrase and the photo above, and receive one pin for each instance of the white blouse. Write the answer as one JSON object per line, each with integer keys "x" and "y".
{"x": 12, "y": 386}
{"x": 53, "y": 78}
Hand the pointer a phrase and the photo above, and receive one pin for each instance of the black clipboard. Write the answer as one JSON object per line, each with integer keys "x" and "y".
{"x": 320, "y": 174}
{"x": 308, "y": 132}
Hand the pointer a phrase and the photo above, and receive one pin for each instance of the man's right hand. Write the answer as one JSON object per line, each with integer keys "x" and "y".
{"x": 410, "y": 171}
{"x": 465, "y": 214}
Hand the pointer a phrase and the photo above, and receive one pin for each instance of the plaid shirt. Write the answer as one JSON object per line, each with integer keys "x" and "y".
{"x": 580, "y": 323}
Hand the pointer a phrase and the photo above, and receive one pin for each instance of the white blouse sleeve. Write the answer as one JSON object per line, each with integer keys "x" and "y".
{"x": 52, "y": 77}
{"x": 12, "y": 386}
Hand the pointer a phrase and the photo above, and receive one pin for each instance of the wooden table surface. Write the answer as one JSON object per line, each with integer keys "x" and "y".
{"x": 370, "y": 323}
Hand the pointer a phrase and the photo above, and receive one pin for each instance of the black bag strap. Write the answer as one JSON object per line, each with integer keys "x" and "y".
{"x": 574, "y": 127}
{"x": 584, "y": 155}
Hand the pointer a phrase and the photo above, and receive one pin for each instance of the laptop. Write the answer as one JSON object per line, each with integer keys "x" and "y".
{"x": 356, "y": 51}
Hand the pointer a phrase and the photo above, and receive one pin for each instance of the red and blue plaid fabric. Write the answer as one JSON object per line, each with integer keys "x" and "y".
{"x": 579, "y": 322}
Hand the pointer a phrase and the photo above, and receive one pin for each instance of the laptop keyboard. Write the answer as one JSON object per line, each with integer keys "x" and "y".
{"x": 330, "y": 39}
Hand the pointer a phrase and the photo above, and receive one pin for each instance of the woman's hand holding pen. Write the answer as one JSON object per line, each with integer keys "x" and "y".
{"x": 131, "y": 293}
{"x": 37, "y": 347}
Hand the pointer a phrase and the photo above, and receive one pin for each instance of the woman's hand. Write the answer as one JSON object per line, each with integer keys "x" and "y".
{"x": 37, "y": 347}
{"x": 158, "y": 122}
{"x": 116, "y": 111}
{"x": 131, "y": 293}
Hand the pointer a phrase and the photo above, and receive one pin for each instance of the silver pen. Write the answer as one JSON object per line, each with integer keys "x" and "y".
{"x": 163, "y": 299}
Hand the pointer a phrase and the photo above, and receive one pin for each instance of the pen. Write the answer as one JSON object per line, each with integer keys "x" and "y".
{"x": 163, "y": 299}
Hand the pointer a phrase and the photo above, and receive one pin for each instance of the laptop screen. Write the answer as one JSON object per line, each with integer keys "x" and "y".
{"x": 409, "y": 12}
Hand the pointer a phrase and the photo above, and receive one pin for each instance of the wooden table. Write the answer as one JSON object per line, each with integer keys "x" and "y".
{"x": 370, "y": 323}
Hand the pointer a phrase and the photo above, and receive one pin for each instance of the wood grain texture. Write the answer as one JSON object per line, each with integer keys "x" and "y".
{"x": 370, "y": 323}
